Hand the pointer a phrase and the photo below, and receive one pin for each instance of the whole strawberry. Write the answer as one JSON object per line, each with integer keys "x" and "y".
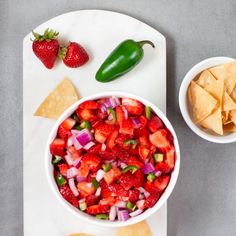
{"x": 73, "y": 55}
{"x": 46, "y": 47}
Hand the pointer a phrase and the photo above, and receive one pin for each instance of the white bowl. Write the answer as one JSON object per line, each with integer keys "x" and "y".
{"x": 91, "y": 219}
{"x": 183, "y": 101}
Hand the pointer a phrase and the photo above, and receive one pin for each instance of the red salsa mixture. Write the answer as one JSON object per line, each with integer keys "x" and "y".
{"x": 112, "y": 158}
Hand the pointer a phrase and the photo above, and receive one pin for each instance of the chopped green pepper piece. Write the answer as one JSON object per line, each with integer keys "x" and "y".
{"x": 113, "y": 113}
{"x": 77, "y": 127}
{"x": 95, "y": 183}
{"x": 130, "y": 141}
{"x": 56, "y": 160}
{"x": 131, "y": 206}
{"x": 151, "y": 177}
{"x": 148, "y": 112}
{"x": 76, "y": 118}
{"x": 158, "y": 157}
{"x": 131, "y": 168}
{"x": 106, "y": 167}
{"x": 86, "y": 125}
{"x": 102, "y": 216}
{"x": 60, "y": 180}
{"x": 82, "y": 206}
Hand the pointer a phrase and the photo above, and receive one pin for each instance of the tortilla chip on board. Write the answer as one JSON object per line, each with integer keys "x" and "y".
{"x": 226, "y": 72}
{"x": 197, "y": 98}
{"x": 231, "y": 127}
{"x": 140, "y": 229}
{"x": 205, "y": 79}
{"x": 62, "y": 97}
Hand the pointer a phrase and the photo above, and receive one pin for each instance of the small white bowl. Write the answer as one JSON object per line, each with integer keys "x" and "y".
{"x": 91, "y": 219}
{"x": 183, "y": 101}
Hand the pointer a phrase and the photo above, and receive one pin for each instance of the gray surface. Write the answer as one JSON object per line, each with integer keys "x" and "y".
{"x": 204, "y": 200}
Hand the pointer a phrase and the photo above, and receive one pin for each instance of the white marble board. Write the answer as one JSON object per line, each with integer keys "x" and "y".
{"x": 99, "y": 32}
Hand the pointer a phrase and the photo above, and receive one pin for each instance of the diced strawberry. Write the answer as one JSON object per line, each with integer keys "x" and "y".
{"x": 127, "y": 180}
{"x": 68, "y": 123}
{"x": 63, "y": 133}
{"x": 85, "y": 114}
{"x": 92, "y": 200}
{"x": 161, "y": 182}
{"x": 112, "y": 175}
{"x": 90, "y": 105}
{"x": 151, "y": 188}
{"x": 120, "y": 153}
{"x": 114, "y": 190}
{"x": 92, "y": 161}
{"x": 97, "y": 209}
{"x": 68, "y": 195}
{"x": 127, "y": 127}
{"x": 111, "y": 140}
{"x": 121, "y": 140}
{"x": 160, "y": 140}
{"x": 86, "y": 188}
{"x": 120, "y": 115}
{"x": 103, "y": 131}
{"x": 133, "y": 195}
{"x": 143, "y": 140}
{"x": 143, "y": 153}
{"x": 163, "y": 167}
{"x": 139, "y": 179}
{"x": 75, "y": 154}
{"x": 132, "y": 160}
{"x": 83, "y": 170}
{"x": 151, "y": 200}
{"x": 101, "y": 115}
{"x": 133, "y": 151}
{"x": 57, "y": 147}
{"x": 63, "y": 168}
{"x": 140, "y": 204}
{"x": 170, "y": 158}
{"x": 110, "y": 201}
{"x": 133, "y": 106}
{"x": 143, "y": 121}
{"x": 155, "y": 124}
{"x": 91, "y": 176}
{"x": 95, "y": 149}
{"x": 107, "y": 155}
{"x": 141, "y": 132}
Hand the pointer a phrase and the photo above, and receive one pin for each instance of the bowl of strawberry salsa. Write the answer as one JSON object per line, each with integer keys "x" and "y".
{"x": 112, "y": 159}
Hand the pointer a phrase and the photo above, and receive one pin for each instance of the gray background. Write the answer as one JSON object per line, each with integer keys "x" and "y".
{"x": 204, "y": 200}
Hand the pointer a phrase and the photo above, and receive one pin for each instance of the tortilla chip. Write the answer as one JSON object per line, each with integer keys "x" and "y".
{"x": 231, "y": 127}
{"x": 214, "y": 122}
{"x": 226, "y": 72}
{"x": 232, "y": 116}
{"x": 216, "y": 89}
{"x": 80, "y": 234}
{"x": 63, "y": 96}
{"x": 140, "y": 229}
{"x": 225, "y": 116}
{"x": 205, "y": 79}
{"x": 228, "y": 103}
{"x": 202, "y": 102}
{"x": 233, "y": 94}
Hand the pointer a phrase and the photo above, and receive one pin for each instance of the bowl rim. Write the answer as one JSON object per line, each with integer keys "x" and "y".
{"x": 85, "y": 216}
{"x": 190, "y": 75}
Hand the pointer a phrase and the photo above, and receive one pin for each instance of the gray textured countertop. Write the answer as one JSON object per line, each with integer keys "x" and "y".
{"x": 204, "y": 200}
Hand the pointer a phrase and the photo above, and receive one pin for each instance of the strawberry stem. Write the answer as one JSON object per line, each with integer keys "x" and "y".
{"x": 48, "y": 35}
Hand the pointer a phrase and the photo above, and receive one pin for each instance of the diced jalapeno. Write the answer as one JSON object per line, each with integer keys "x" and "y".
{"x": 148, "y": 112}
{"x": 102, "y": 216}
{"x": 131, "y": 168}
{"x": 106, "y": 167}
{"x": 86, "y": 125}
{"x": 60, "y": 180}
{"x": 151, "y": 177}
{"x": 131, "y": 206}
{"x": 95, "y": 183}
{"x": 130, "y": 141}
{"x": 158, "y": 157}
{"x": 56, "y": 160}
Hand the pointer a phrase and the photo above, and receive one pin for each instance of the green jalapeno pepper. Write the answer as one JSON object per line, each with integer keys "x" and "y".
{"x": 121, "y": 60}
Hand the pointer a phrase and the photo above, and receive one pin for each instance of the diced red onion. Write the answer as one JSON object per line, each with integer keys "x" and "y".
{"x": 84, "y": 137}
{"x": 75, "y": 132}
{"x": 146, "y": 194}
{"x": 114, "y": 164}
{"x": 80, "y": 179}
{"x": 122, "y": 165}
{"x": 135, "y": 213}
{"x": 121, "y": 204}
{"x": 100, "y": 175}
{"x": 103, "y": 108}
{"x": 77, "y": 145}
{"x": 157, "y": 173}
{"x": 103, "y": 148}
{"x": 141, "y": 196}
{"x": 69, "y": 160}
{"x": 136, "y": 122}
{"x": 77, "y": 163}
{"x": 141, "y": 189}
{"x": 73, "y": 187}
{"x": 116, "y": 99}
{"x": 70, "y": 141}
{"x": 110, "y": 117}
{"x": 82, "y": 200}
{"x": 112, "y": 213}
{"x": 98, "y": 191}
{"x": 71, "y": 173}
{"x": 148, "y": 168}
{"x": 89, "y": 145}
{"x": 123, "y": 215}
{"x": 125, "y": 112}
{"x": 111, "y": 102}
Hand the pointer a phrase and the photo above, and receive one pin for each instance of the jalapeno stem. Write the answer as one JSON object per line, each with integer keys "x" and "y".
{"x": 143, "y": 42}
